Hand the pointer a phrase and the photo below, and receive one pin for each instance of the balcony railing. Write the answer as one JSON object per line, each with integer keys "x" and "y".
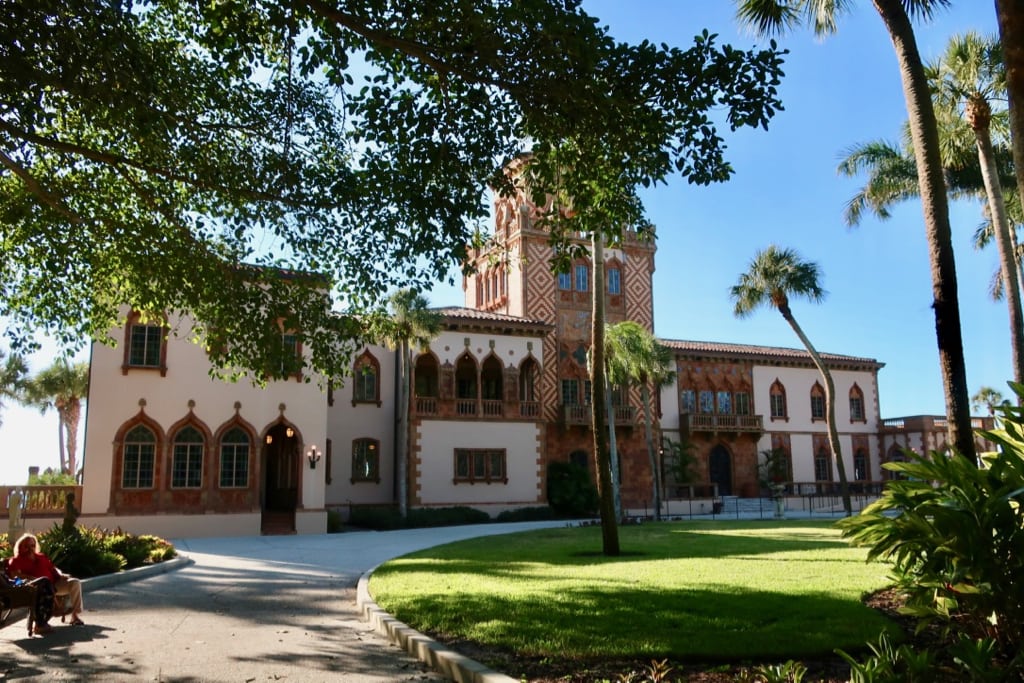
{"x": 529, "y": 409}
{"x": 465, "y": 407}
{"x": 493, "y": 408}
{"x": 426, "y": 405}
{"x": 581, "y": 414}
{"x": 711, "y": 422}
{"x": 38, "y": 501}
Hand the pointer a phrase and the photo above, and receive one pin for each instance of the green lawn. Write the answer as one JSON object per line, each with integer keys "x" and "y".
{"x": 699, "y": 591}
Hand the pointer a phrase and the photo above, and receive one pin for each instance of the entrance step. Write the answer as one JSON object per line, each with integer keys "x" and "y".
{"x": 277, "y": 523}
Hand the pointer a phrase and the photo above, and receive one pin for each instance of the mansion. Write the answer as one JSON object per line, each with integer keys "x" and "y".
{"x": 501, "y": 392}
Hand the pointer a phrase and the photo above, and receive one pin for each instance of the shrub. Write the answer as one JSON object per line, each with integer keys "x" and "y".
{"x": 955, "y": 534}
{"x": 448, "y": 516}
{"x": 139, "y": 550}
{"x": 570, "y": 491}
{"x": 80, "y": 552}
{"x": 334, "y": 523}
{"x": 531, "y": 514}
{"x": 379, "y": 518}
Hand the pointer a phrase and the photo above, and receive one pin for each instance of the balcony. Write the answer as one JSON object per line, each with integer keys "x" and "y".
{"x": 711, "y": 422}
{"x": 39, "y": 501}
{"x": 581, "y": 414}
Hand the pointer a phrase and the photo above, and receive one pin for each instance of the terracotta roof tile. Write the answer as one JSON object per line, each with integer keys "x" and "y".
{"x": 754, "y": 351}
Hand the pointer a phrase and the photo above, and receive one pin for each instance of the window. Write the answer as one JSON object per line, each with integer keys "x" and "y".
{"x": 187, "y": 461}
{"x": 291, "y": 358}
{"x": 570, "y": 392}
{"x": 582, "y": 278}
{"x": 492, "y": 379}
{"x": 822, "y": 466}
{"x": 366, "y": 460}
{"x": 724, "y": 403}
{"x": 614, "y": 281}
{"x": 366, "y": 380}
{"x": 586, "y": 392}
{"x": 817, "y": 402}
{"x": 860, "y": 465}
{"x": 486, "y": 465}
{"x": 687, "y": 401}
{"x": 707, "y": 401}
{"x": 426, "y": 376}
{"x": 565, "y": 281}
{"x": 139, "y": 456}
{"x": 856, "y": 404}
{"x": 777, "y": 398}
{"x": 234, "y": 459}
{"x": 528, "y": 380}
{"x": 742, "y": 403}
{"x": 145, "y": 346}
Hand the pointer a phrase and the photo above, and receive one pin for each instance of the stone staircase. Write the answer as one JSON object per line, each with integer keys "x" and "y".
{"x": 747, "y": 507}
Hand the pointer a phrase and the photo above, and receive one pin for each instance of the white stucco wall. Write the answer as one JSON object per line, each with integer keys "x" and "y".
{"x": 116, "y": 398}
{"x": 440, "y": 438}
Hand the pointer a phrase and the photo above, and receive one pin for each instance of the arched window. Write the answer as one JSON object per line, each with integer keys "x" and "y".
{"x": 895, "y": 454}
{"x": 139, "y": 458}
{"x": 465, "y": 385}
{"x": 528, "y": 380}
{"x": 187, "y": 459}
{"x": 817, "y": 402}
{"x": 426, "y": 376}
{"x": 856, "y": 404}
{"x": 822, "y": 465}
{"x": 565, "y": 281}
{"x": 366, "y": 380}
{"x": 491, "y": 379}
{"x": 777, "y": 399}
{"x": 687, "y": 401}
{"x": 366, "y": 461}
{"x": 581, "y": 278}
{"x": 234, "y": 459}
{"x": 860, "y": 465}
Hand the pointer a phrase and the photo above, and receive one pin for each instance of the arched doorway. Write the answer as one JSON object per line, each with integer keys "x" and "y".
{"x": 280, "y": 479}
{"x": 720, "y": 469}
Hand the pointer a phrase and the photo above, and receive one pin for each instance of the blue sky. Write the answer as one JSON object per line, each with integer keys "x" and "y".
{"x": 837, "y": 91}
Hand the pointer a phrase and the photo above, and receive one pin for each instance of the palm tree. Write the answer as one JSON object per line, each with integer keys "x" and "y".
{"x": 12, "y": 378}
{"x": 968, "y": 77}
{"x": 62, "y": 386}
{"x": 773, "y": 276}
{"x": 1010, "y": 15}
{"x": 411, "y": 322}
{"x": 987, "y": 398}
{"x": 634, "y": 355}
{"x": 609, "y": 521}
{"x": 964, "y": 81}
{"x": 774, "y": 16}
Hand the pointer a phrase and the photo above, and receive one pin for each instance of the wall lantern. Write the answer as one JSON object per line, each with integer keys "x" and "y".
{"x": 289, "y": 432}
{"x": 313, "y": 456}
{"x": 270, "y": 439}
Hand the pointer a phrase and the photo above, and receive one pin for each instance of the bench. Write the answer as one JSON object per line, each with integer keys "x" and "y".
{"x": 14, "y": 600}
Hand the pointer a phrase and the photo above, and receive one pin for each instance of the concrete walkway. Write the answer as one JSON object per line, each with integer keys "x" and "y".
{"x": 253, "y": 609}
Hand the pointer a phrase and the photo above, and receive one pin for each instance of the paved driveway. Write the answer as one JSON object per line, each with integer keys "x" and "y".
{"x": 264, "y": 608}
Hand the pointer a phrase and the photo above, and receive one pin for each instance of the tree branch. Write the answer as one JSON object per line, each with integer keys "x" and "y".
{"x": 38, "y": 190}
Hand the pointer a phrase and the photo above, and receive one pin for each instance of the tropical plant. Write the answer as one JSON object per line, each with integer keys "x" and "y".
{"x": 774, "y": 16}
{"x": 51, "y": 477}
{"x": 773, "y": 276}
{"x": 570, "y": 491}
{"x": 773, "y": 468}
{"x": 411, "y": 323}
{"x": 635, "y": 356}
{"x": 62, "y": 386}
{"x": 955, "y": 536}
{"x": 12, "y": 378}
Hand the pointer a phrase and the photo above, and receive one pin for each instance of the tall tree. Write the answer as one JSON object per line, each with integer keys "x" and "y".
{"x": 152, "y": 146}
{"x": 62, "y": 386}
{"x": 964, "y": 81}
{"x": 772, "y": 16}
{"x": 635, "y": 356}
{"x": 609, "y": 523}
{"x": 411, "y": 323}
{"x": 13, "y": 371}
{"x": 1010, "y": 16}
{"x": 987, "y": 398}
{"x": 774, "y": 275}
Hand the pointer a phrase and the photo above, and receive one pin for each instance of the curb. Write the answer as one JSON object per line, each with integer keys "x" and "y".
{"x": 455, "y": 666}
{"x": 136, "y": 574}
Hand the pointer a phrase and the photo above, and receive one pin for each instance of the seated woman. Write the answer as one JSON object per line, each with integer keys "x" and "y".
{"x": 43, "y": 608}
{"x": 29, "y": 562}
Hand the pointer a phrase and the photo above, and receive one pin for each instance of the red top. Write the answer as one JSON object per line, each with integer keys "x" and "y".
{"x": 33, "y": 565}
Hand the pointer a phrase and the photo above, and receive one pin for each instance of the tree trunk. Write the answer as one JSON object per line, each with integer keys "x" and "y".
{"x": 73, "y": 414}
{"x": 830, "y": 408}
{"x": 402, "y": 431}
{"x": 1007, "y": 255}
{"x": 1010, "y": 14}
{"x": 609, "y": 522}
{"x": 925, "y": 136}
{"x": 652, "y": 457}
{"x": 613, "y": 447}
